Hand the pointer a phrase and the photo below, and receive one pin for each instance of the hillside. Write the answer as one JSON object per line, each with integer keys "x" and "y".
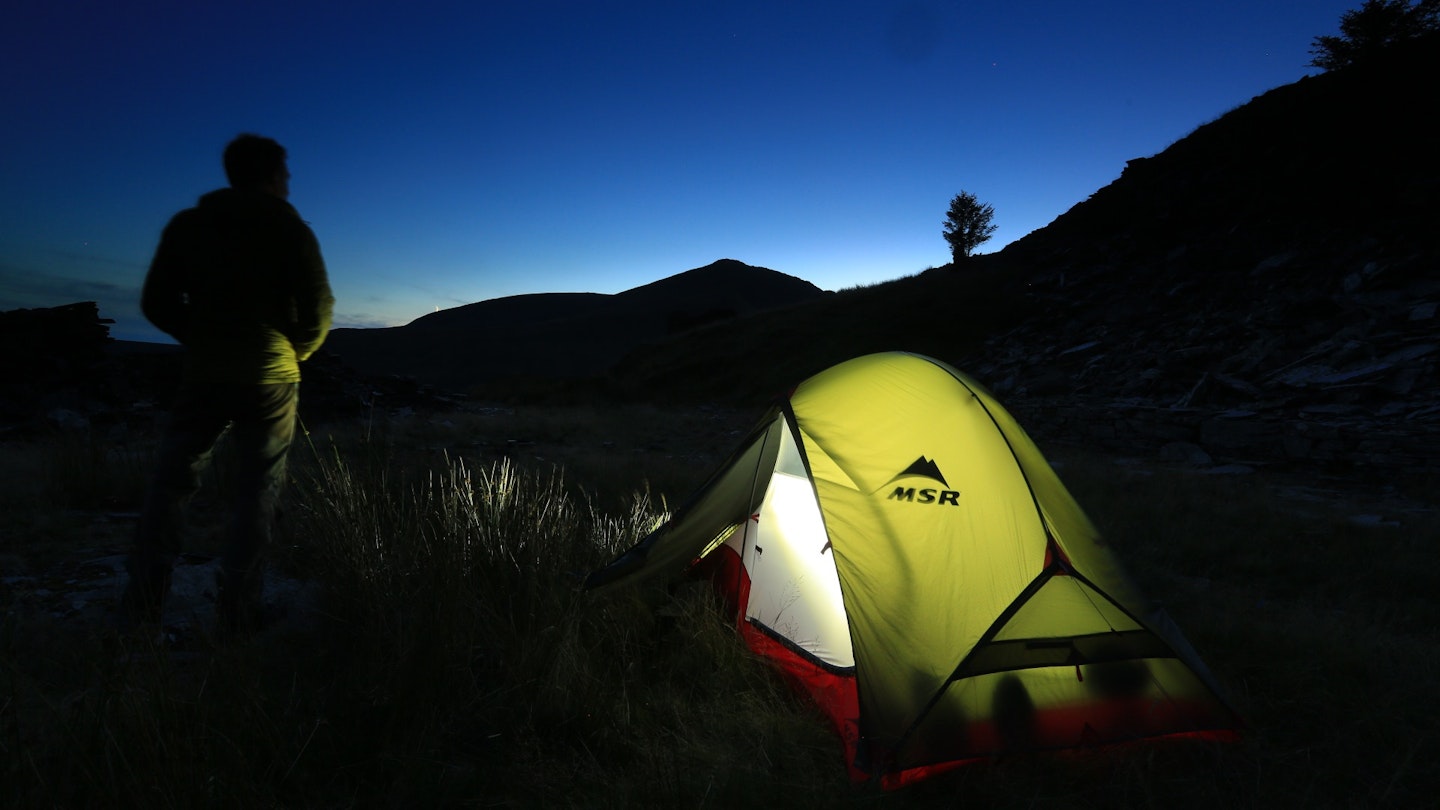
{"x": 563, "y": 335}
{"x": 1264, "y": 291}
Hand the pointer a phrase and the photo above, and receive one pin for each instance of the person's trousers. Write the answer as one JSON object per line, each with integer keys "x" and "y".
{"x": 261, "y": 420}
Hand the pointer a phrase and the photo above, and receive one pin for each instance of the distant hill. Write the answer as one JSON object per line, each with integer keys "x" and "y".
{"x": 564, "y": 335}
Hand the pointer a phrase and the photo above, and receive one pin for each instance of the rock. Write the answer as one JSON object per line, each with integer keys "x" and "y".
{"x": 1185, "y": 453}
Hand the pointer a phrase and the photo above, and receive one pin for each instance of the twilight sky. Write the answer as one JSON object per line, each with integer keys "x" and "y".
{"x": 446, "y": 153}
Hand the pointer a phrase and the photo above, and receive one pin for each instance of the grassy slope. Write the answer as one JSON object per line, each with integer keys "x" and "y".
{"x": 453, "y": 661}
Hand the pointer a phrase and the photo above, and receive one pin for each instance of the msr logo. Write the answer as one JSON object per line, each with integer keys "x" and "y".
{"x": 923, "y": 468}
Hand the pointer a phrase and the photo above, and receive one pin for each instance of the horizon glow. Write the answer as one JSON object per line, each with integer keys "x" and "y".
{"x": 447, "y": 153}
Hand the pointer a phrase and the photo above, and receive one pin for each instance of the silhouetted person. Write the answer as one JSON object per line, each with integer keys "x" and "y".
{"x": 1014, "y": 714}
{"x": 239, "y": 281}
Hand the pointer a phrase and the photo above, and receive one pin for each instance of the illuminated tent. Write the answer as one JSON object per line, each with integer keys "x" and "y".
{"x": 895, "y": 543}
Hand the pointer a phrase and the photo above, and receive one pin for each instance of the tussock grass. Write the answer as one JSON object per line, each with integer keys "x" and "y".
{"x": 450, "y": 658}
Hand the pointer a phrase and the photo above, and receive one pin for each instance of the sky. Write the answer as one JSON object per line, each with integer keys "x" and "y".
{"x": 448, "y": 153}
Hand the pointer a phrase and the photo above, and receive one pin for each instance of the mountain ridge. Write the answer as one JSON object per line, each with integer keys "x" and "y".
{"x": 1263, "y": 291}
{"x": 552, "y": 336}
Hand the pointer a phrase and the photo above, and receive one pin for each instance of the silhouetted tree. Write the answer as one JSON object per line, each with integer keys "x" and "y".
{"x": 1372, "y": 28}
{"x": 968, "y": 225}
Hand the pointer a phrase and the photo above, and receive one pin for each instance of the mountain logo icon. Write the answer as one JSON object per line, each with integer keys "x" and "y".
{"x": 924, "y": 468}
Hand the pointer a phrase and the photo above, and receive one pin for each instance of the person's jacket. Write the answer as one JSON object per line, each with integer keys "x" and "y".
{"x": 240, "y": 282}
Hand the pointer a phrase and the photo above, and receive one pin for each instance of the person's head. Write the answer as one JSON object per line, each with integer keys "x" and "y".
{"x": 253, "y": 163}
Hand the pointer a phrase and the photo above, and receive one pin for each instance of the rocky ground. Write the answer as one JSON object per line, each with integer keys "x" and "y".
{"x": 1239, "y": 375}
{"x": 81, "y": 592}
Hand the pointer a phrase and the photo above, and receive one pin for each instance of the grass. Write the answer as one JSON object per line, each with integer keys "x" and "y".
{"x": 452, "y": 661}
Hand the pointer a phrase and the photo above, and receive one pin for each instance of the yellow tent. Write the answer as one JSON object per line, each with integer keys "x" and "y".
{"x": 893, "y": 540}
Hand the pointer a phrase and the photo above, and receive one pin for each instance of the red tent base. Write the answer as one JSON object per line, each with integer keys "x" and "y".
{"x": 1115, "y": 721}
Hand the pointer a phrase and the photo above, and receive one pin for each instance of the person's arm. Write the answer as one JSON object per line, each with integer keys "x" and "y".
{"x": 162, "y": 299}
{"x": 314, "y": 302}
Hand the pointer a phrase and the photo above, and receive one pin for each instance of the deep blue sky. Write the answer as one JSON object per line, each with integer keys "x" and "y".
{"x": 447, "y": 153}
